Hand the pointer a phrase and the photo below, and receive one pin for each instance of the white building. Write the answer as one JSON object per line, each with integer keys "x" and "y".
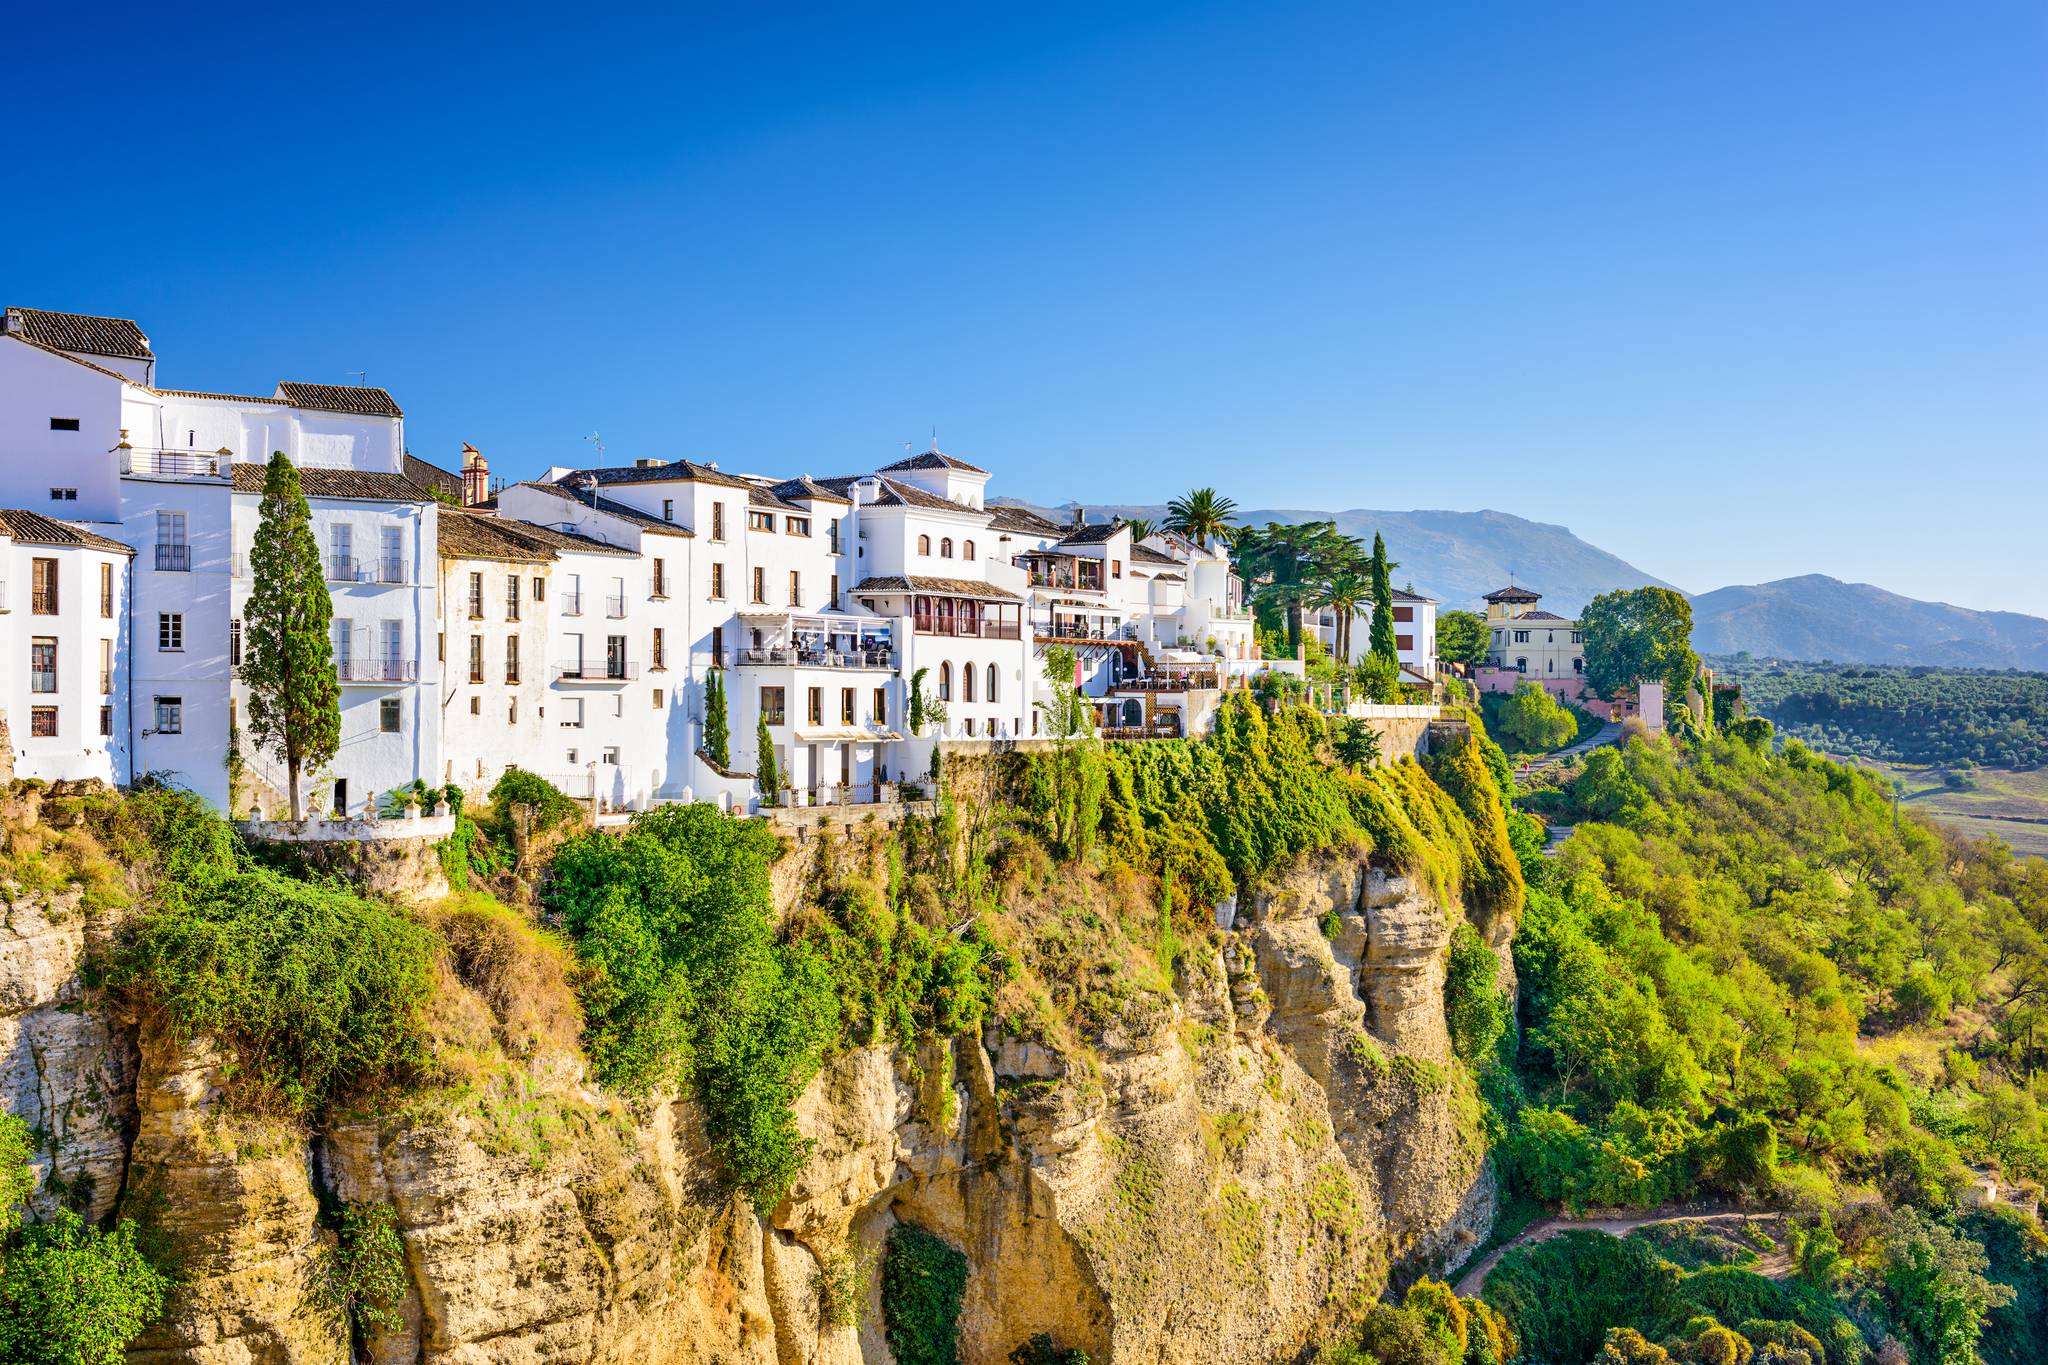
{"x": 64, "y": 611}
{"x": 1414, "y": 633}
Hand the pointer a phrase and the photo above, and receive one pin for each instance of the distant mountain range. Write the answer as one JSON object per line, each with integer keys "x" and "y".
{"x": 1457, "y": 557}
{"x": 1817, "y": 617}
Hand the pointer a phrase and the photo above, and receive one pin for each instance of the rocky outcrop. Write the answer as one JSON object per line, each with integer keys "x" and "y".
{"x": 65, "y": 1070}
{"x": 1227, "y": 1171}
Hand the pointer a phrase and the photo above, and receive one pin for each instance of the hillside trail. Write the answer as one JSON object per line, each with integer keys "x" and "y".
{"x": 1555, "y": 834}
{"x": 1775, "y": 1264}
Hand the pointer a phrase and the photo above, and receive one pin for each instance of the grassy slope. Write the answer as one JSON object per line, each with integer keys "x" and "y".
{"x": 2011, "y": 805}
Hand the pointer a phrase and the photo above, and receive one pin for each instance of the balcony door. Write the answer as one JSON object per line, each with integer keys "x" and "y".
{"x": 615, "y": 656}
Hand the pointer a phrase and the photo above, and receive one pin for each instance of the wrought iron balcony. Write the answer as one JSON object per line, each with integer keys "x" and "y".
{"x": 174, "y": 558}
{"x": 598, "y": 671}
{"x": 376, "y": 670}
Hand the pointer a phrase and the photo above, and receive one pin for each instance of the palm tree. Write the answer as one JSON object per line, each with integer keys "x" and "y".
{"x": 1202, "y": 516}
{"x": 1343, "y": 592}
{"x": 1140, "y": 527}
{"x": 1289, "y": 561}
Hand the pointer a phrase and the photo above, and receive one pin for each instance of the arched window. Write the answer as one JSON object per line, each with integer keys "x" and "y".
{"x": 967, "y": 550}
{"x": 967, "y": 682}
{"x": 924, "y": 545}
{"x": 1521, "y": 665}
{"x": 946, "y": 681}
{"x": 991, "y": 683}
{"x": 946, "y": 548}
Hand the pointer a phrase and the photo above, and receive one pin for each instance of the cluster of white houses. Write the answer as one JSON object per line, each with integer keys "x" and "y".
{"x": 567, "y": 625}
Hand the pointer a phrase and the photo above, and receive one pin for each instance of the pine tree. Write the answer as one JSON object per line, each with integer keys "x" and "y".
{"x": 765, "y": 772}
{"x": 717, "y": 725}
{"x": 287, "y": 657}
{"x": 1382, "y": 603}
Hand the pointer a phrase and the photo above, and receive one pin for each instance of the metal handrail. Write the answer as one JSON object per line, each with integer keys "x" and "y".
{"x": 174, "y": 558}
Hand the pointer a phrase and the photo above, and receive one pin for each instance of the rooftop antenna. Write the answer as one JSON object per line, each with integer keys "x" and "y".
{"x": 597, "y": 444}
{"x": 363, "y": 375}
{"x": 935, "y": 440}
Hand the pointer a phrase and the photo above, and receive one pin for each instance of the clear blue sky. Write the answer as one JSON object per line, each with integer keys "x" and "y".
{"x": 1735, "y": 290}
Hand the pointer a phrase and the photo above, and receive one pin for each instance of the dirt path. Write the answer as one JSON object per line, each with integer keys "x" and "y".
{"x": 1609, "y": 733}
{"x": 1775, "y": 1264}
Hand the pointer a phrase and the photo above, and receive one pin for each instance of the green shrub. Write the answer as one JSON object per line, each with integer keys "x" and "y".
{"x": 72, "y": 1295}
{"x": 366, "y": 1278}
{"x": 1476, "y": 1010}
{"x": 533, "y": 800}
{"x": 1042, "y": 1350}
{"x": 315, "y": 992}
{"x": 923, "y": 1282}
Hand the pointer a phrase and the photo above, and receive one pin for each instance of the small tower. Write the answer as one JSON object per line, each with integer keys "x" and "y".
{"x": 476, "y": 476}
{"x": 1506, "y": 604}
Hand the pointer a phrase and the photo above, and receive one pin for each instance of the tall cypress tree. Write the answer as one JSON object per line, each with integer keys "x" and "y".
{"x": 766, "y": 774}
{"x": 717, "y": 725}
{"x": 1382, "y": 603}
{"x": 287, "y": 657}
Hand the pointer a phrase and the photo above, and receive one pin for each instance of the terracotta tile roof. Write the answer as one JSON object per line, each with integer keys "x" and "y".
{"x": 932, "y": 459}
{"x": 33, "y": 528}
{"x": 567, "y": 542}
{"x": 79, "y": 332}
{"x": 1403, "y": 595}
{"x": 1010, "y": 516}
{"x": 340, "y": 398}
{"x": 944, "y": 587}
{"x": 1145, "y": 554}
{"x": 671, "y": 471}
{"x": 340, "y": 483}
{"x": 896, "y": 494}
{"x": 1512, "y": 594}
{"x": 272, "y": 401}
{"x": 805, "y": 488}
{"x": 612, "y": 507}
{"x": 474, "y": 535}
{"x": 1096, "y": 533}
{"x": 1544, "y": 616}
{"x": 432, "y": 476}
{"x": 763, "y": 495}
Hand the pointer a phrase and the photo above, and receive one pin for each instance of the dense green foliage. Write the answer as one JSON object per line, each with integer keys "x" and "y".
{"x": 717, "y": 720}
{"x": 315, "y": 991}
{"x": 70, "y": 1294}
{"x": 366, "y": 1279}
{"x": 687, "y": 983}
{"x": 1042, "y": 1350}
{"x": 287, "y": 657}
{"x": 1430, "y": 1326}
{"x": 1461, "y": 637}
{"x": 537, "y": 804}
{"x": 1530, "y": 718}
{"x": 923, "y": 1281}
{"x": 1637, "y": 635}
{"x": 1904, "y": 715}
{"x": 767, "y": 773}
{"x": 1382, "y": 601}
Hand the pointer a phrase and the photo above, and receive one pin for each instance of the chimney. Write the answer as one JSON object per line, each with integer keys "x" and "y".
{"x": 648, "y": 464}
{"x": 476, "y": 476}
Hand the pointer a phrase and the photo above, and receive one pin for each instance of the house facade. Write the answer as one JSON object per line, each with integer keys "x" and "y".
{"x": 1527, "y": 644}
{"x": 568, "y": 625}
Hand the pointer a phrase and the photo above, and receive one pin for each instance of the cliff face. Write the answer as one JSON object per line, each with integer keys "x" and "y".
{"x": 1228, "y": 1172}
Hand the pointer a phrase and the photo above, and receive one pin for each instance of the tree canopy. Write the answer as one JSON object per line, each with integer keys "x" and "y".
{"x": 1638, "y": 635}
{"x": 287, "y": 657}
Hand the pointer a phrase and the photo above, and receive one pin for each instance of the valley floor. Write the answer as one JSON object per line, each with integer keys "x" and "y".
{"x": 2012, "y": 805}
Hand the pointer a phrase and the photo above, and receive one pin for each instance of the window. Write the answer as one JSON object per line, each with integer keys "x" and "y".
{"x": 1404, "y": 614}
{"x": 1521, "y": 637}
{"x": 970, "y": 725}
{"x": 394, "y": 650}
{"x": 991, "y": 683}
{"x": 610, "y": 755}
{"x": 718, "y": 521}
{"x": 967, "y": 683}
{"x": 1404, "y": 643}
{"x": 476, "y": 658}
{"x": 63, "y": 424}
{"x": 512, "y": 658}
{"x": 173, "y": 552}
{"x": 42, "y": 722}
{"x": 668, "y": 509}
{"x": 106, "y": 721}
{"x": 476, "y": 597}
{"x": 106, "y": 666}
{"x": 946, "y": 681}
{"x": 170, "y": 631}
{"x": 771, "y": 705}
{"x": 659, "y": 652}
{"x": 760, "y": 521}
{"x": 391, "y": 562}
{"x": 1576, "y": 638}
{"x": 796, "y": 591}
{"x": 540, "y": 588}
{"x": 170, "y": 715}
{"x": 814, "y": 705}
{"x": 344, "y": 647}
{"x": 512, "y": 597}
{"x": 571, "y": 756}
{"x": 1116, "y": 568}
{"x": 660, "y": 579}
{"x": 572, "y": 599}
{"x": 615, "y": 656}
{"x": 834, "y": 603}
{"x": 344, "y": 537}
{"x": 848, "y": 708}
{"x": 760, "y": 584}
{"x": 797, "y": 526}
{"x": 924, "y": 545}
{"x": 717, "y": 646}
{"x": 657, "y": 699}
{"x": 1521, "y": 665}
{"x": 832, "y": 536}
{"x": 572, "y": 718}
{"x": 512, "y": 711}
{"x": 42, "y": 664}
{"x": 718, "y": 582}
{"x": 615, "y": 605}
{"x": 389, "y": 714}
{"x": 1578, "y": 664}
{"x": 107, "y": 591}
{"x": 43, "y": 587}
{"x": 476, "y": 706}
{"x": 967, "y": 550}
{"x": 946, "y": 547}
{"x": 63, "y": 495}
{"x": 881, "y": 706}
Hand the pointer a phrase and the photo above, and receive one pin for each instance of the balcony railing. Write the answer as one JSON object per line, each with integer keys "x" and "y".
{"x": 349, "y": 569}
{"x": 785, "y": 656}
{"x": 1058, "y": 628}
{"x": 42, "y": 601}
{"x": 615, "y": 606}
{"x": 42, "y": 680}
{"x": 178, "y": 464}
{"x": 376, "y": 670}
{"x": 973, "y": 627}
{"x": 174, "y": 558}
{"x": 600, "y": 670}
{"x": 572, "y": 604}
